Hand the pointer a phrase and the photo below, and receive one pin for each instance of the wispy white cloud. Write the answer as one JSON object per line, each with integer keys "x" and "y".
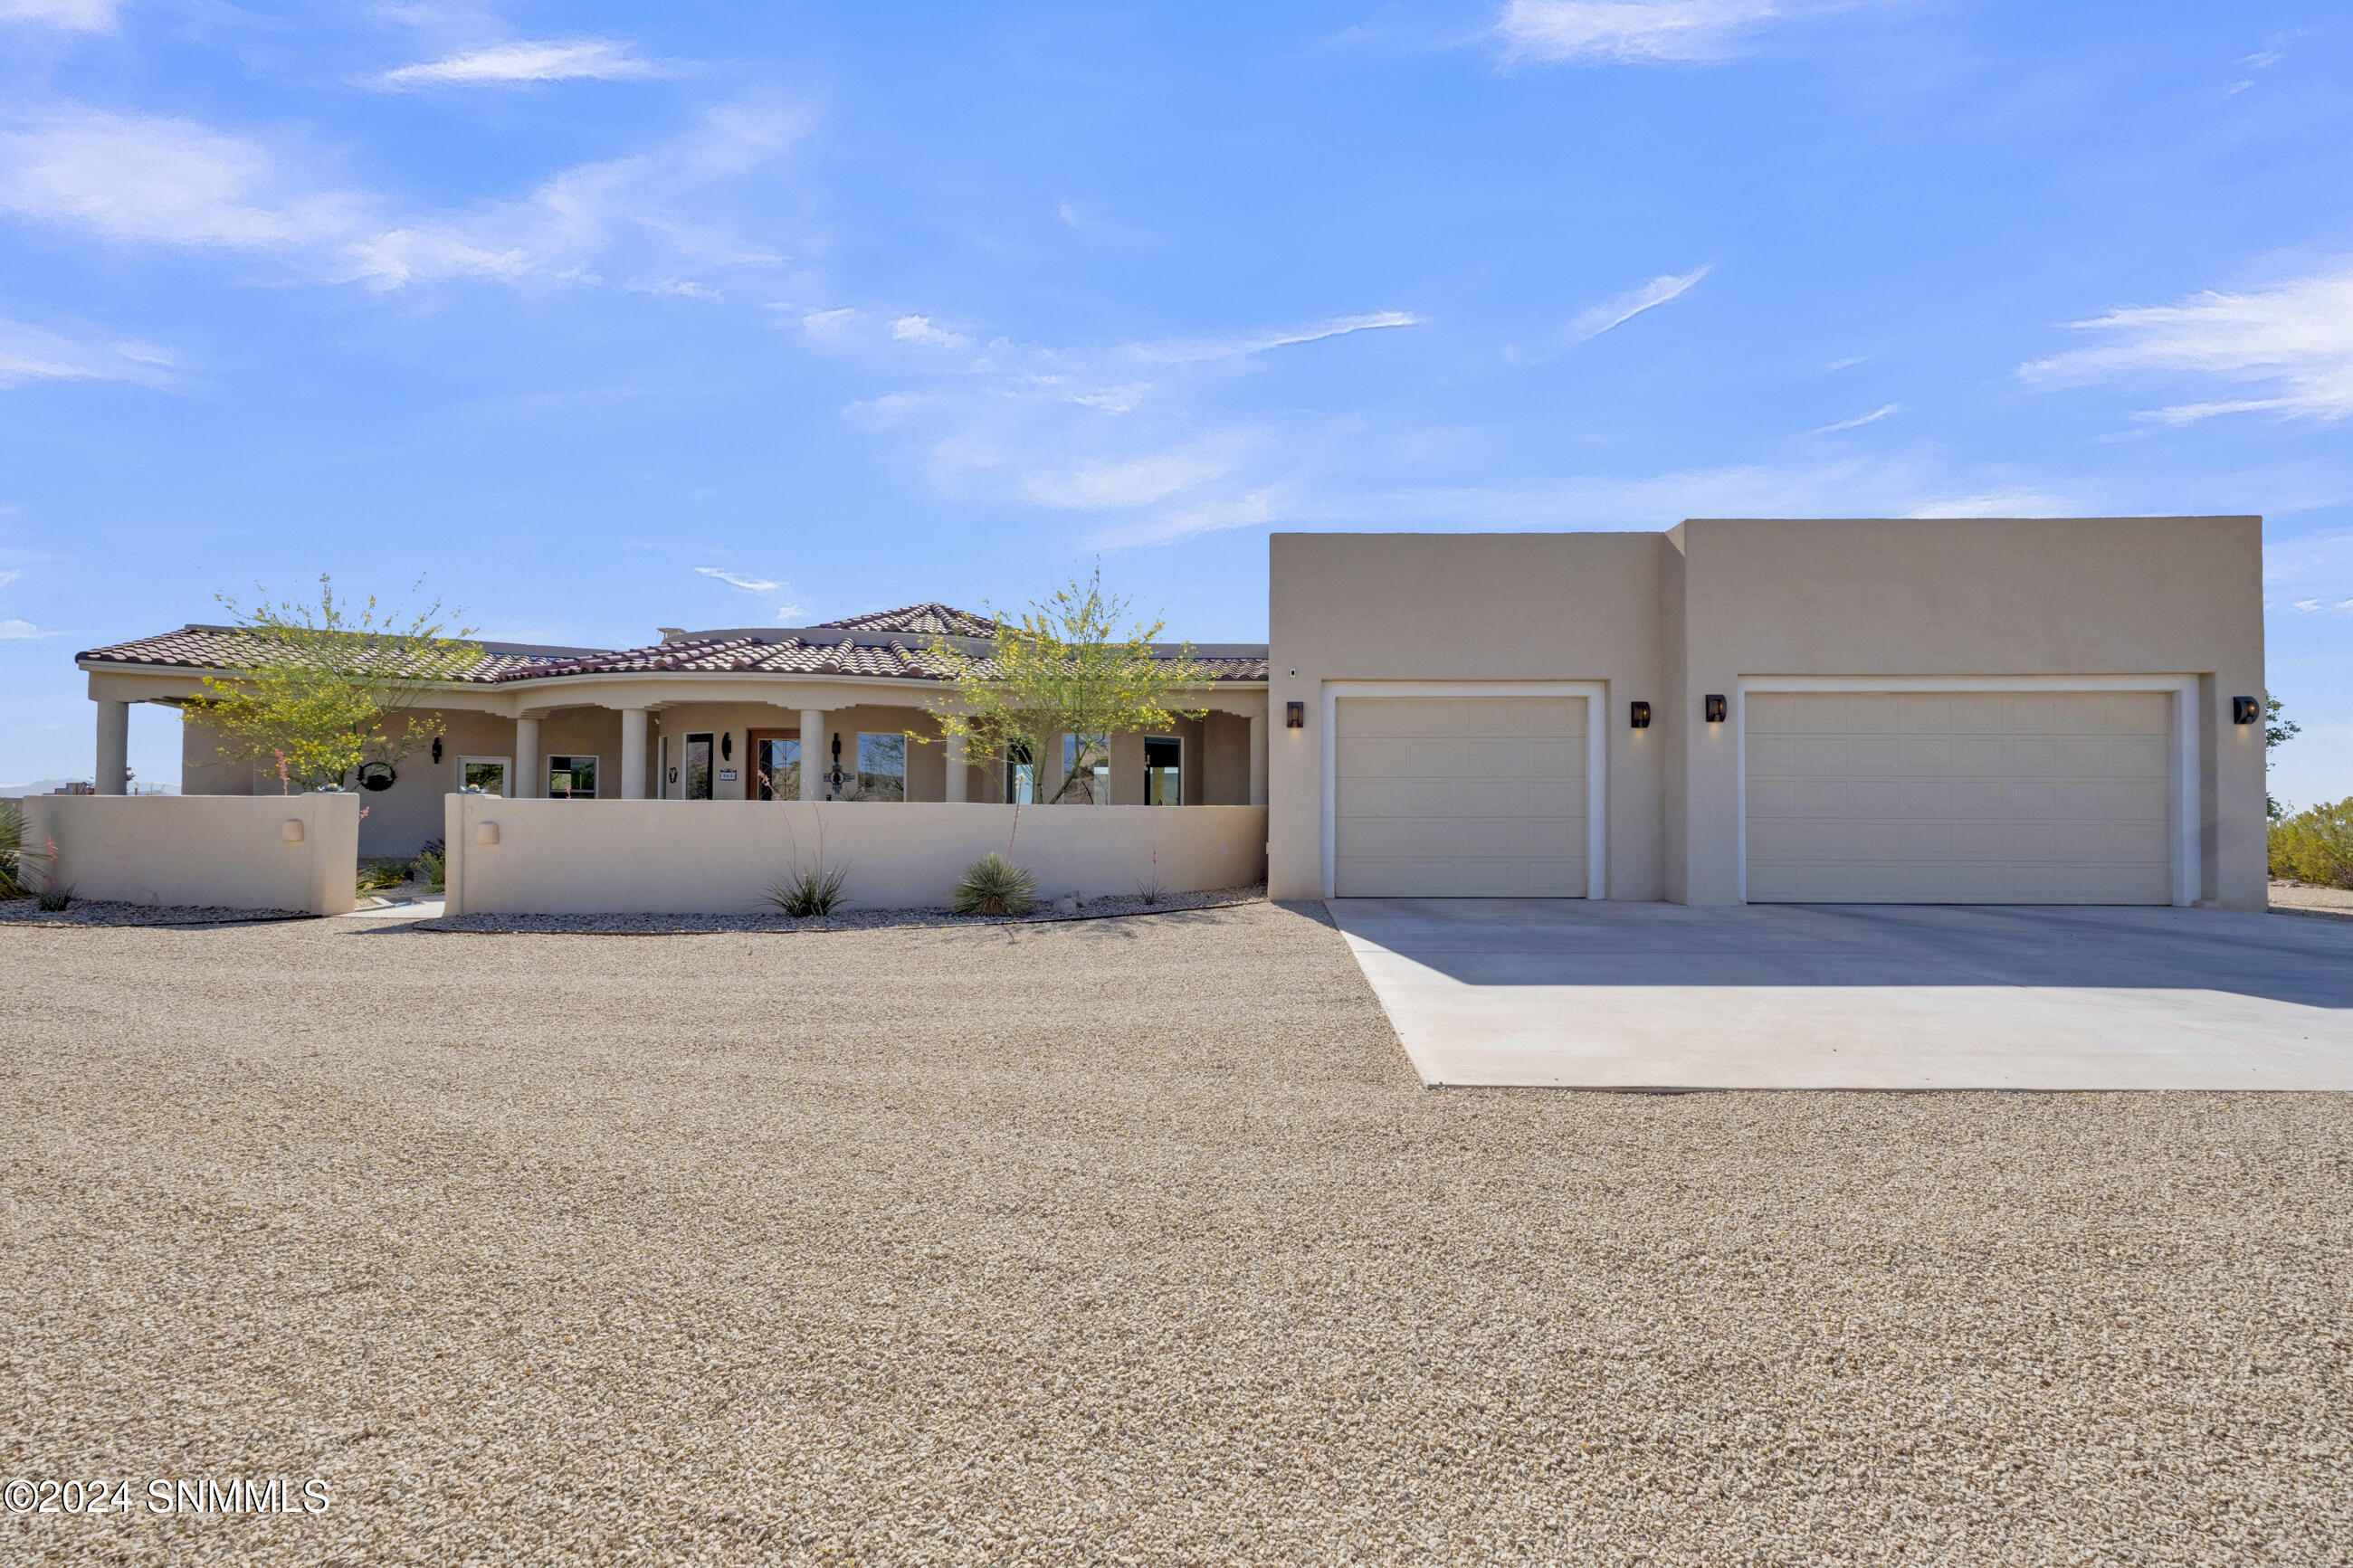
{"x": 1556, "y": 32}
{"x": 179, "y": 182}
{"x": 1236, "y": 345}
{"x": 1089, "y": 225}
{"x": 738, "y": 580}
{"x": 14, "y": 631}
{"x": 1126, "y": 483}
{"x": 527, "y": 61}
{"x": 74, "y": 16}
{"x": 37, "y": 353}
{"x": 2297, "y": 337}
{"x": 1995, "y": 503}
{"x": 923, "y": 330}
{"x": 11, "y": 576}
{"x": 1858, "y": 421}
{"x": 1611, "y": 313}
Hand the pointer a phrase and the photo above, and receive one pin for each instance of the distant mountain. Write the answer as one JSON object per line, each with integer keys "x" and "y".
{"x": 39, "y": 786}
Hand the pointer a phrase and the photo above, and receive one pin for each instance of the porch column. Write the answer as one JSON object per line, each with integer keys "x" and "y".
{"x": 526, "y": 781}
{"x": 633, "y": 753}
{"x": 958, "y": 776}
{"x": 1258, "y": 759}
{"x": 815, "y": 760}
{"x": 113, "y": 775}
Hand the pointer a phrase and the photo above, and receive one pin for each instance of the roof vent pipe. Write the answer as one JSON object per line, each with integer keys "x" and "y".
{"x": 671, "y": 633}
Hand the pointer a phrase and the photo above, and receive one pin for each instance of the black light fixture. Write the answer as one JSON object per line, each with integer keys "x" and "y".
{"x": 1641, "y": 716}
{"x": 837, "y": 759}
{"x": 437, "y": 748}
{"x": 726, "y": 745}
{"x": 2245, "y": 711}
{"x": 1713, "y": 705}
{"x": 1295, "y": 715}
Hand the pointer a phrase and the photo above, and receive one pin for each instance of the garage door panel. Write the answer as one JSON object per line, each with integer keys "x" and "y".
{"x": 2042, "y": 797}
{"x": 1471, "y": 797}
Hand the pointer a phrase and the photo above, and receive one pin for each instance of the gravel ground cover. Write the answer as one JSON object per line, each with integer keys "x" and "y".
{"x": 847, "y": 919}
{"x": 1108, "y": 1241}
{"x": 2303, "y": 898}
{"x": 109, "y": 913}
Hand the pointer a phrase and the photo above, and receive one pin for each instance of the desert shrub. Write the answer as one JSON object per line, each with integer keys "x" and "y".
{"x": 2315, "y": 846}
{"x": 810, "y": 890}
{"x": 433, "y": 866}
{"x": 12, "y": 850}
{"x": 993, "y": 885}
{"x": 375, "y": 876}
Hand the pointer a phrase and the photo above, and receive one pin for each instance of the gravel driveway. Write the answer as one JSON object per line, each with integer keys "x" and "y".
{"x": 1117, "y": 1241}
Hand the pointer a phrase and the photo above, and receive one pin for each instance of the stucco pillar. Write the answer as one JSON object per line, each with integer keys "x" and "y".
{"x": 114, "y": 748}
{"x": 526, "y": 783}
{"x": 815, "y": 763}
{"x": 957, "y": 776}
{"x": 633, "y": 753}
{"x": 1258, "y": 759}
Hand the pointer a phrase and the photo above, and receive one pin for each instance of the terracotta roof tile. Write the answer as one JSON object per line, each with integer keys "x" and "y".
{"x": 226, "y": 648}
{"x": 924, "y": 620}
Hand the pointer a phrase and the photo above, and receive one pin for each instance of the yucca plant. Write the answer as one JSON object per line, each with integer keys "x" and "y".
{"x": 12, "y": 850}
{"x": 810, "y": 890}
{"x": 993, "y": 885}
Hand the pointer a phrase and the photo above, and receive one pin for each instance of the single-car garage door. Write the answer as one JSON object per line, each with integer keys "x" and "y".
{"x": 1460, "y": 797}
{"x": 2059, "y": 797}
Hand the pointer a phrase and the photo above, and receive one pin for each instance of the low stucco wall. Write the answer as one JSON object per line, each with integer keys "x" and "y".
{"x": 225, "y": 851}
{"x": 658, "y": 856}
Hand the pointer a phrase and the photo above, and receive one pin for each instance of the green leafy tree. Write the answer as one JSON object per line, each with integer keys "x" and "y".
{"x": 1070, "y": 665}
{"x": 2315, "y": 846}
{"x": 2278, "y": 730}
{"x": 328, "y": 688}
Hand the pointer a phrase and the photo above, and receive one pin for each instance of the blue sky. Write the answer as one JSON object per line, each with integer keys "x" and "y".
{"x": 603, "y": 318}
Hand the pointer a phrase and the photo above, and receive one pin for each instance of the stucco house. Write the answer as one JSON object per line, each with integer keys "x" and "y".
{"x": 2004, "y": 710}
{"x": 707, "y": 715}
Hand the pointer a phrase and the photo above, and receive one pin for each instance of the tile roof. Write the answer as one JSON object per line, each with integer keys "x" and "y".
{"x": 226, "y": 648}
{"x": 861, "y": 652}
{"x": 923, "y": 620}
{"x": 743, "y": 653}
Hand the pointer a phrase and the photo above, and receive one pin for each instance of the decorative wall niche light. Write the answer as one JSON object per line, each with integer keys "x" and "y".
{"x": 1713, "y": 705}
{"x": 1295, "y": 715}
{"x": 2246, "y": 709}
{"x": 437, "y": 748}
{"x": 1641, "y": 716}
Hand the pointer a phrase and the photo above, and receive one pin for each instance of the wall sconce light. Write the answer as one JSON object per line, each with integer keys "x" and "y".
{"x": 1295, "y": 715}
{"x": 1641, "y": 716}
{"x": 1713, "y": 705}
{"x": 836, "y": 775}
{"x": 726, "y": 745}
{"x": 2245, "y": 711}
{"x": 437, "y": 748}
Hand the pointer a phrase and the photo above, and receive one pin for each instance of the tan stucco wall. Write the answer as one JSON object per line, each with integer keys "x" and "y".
{"x": 1468, "y": 607}
{"x": 1670, "y": 617}
{"x": 556, "y": 856}
{"x": 221, "y": 851}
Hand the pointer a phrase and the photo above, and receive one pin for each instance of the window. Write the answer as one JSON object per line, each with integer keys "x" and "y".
{"x": 698, "y": 768}
{"x": 572, "y": 778}
{"x": 1095, "y": 784}
{"x": 1164, "y": 771}
{"x": 1020, "y": 776}
{"x": 488, "y": 774}
{"x": 776, "y": 766}
{"x": 882, "y": 768}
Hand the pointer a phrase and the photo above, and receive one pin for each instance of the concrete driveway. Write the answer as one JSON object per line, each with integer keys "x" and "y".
{"x": 1629, "y": 995}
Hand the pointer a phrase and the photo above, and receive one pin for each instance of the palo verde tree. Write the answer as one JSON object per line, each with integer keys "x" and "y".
{"x": 327, "y": 689}
{"x": 1068, "y": 666}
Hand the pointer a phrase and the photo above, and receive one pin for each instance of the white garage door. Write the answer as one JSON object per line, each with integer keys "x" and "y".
{"x": 1960, "y": 797}
{"x": 1460, "y": 797}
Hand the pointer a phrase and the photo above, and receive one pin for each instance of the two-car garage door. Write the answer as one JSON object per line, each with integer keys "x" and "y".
{"x": 2046, "y": 797}
{"x": 1460, "y": 797}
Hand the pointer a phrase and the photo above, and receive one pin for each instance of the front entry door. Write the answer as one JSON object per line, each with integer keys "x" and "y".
{"x": 776, "y": 764}
{"x": 698, "y": 767}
